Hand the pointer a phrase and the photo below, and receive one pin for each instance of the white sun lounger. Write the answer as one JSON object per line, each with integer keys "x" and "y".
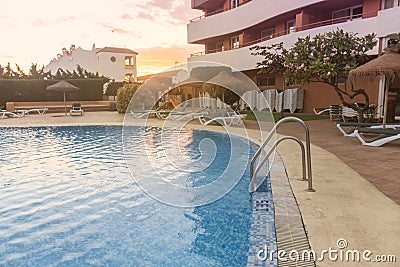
{"x": 356, "y": 125}
{"x": 232, "y": 118}
{"x": 142, "y": 114}
{"x": 40, "y": 111}
{"x": 321, "y": 111}
{"x": 182, "y": 115}
{"x": 390, "y": 135}
{"x": 5, "y": 114}
{"x": 76, "y": 108}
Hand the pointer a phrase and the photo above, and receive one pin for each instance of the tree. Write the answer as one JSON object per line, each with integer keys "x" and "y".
{"x": 274, "y": 58}
{"x": 19, "y": 73}
{"x": 9, "y": 72}
{"x": 58, "y": 75}
{"x": 80, "y": 72}
{"x": 125, "y": 94}
{"x": 75, "y": 75}
{"x": 36, "y": 73}
{"x": 326, "y": 57}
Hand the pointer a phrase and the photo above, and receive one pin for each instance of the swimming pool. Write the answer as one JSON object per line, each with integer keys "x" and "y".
{"x": 67, "y": 198}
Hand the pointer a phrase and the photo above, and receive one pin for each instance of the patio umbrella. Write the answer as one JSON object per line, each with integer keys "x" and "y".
{"x": 154, "y": 85}
{"x": 64, "y": 87}
{"x": 387, "y": 65}
{"x": 228, "y": 80}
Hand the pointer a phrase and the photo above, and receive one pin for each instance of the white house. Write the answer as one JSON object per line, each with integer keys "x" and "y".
{"x": 113, "y": 62}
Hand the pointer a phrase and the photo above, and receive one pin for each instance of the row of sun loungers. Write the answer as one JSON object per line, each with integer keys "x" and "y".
{"x": 382, "y": 134}
{"x": 204, "y": 117}
{"x": 21, "y": 112}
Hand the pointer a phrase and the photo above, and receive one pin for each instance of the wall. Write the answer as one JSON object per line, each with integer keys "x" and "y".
{"x": 322, "y": 95}
{"x": 371, "y": 6}
{"x": 388, "y": 21}
{"x": 115, "y": 70}
{"x": 241, "y": 59}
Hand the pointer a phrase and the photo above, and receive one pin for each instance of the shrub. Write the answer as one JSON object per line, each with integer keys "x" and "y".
{"x": 124, "y": 96}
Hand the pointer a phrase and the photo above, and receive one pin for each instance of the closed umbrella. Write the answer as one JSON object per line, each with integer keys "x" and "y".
{"x": 64, "y": 87}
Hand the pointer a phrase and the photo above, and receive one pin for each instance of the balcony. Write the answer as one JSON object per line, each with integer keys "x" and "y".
{"x": 297, "y": 29}
{"x": 207, "y": 4}
{"x": 226, "y": 22}
{"x": 212, "y": 8}
{"x": 241, "y": 59}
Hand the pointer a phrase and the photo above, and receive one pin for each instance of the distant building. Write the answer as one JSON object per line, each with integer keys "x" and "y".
{"x": 113, "y": 62}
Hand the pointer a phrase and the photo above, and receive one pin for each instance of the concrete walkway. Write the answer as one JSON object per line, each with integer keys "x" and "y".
{"x": 379, "y": 165}
{"x": 347, "y": 204}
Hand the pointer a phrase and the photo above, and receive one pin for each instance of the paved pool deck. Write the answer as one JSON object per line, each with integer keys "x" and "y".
{"x": 357, "y": 188}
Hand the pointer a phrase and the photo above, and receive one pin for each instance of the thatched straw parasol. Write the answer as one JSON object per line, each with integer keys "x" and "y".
{"x": 229, "y": 81}
{"x": 387, "y": 65}
{"x": 64, "y": 87}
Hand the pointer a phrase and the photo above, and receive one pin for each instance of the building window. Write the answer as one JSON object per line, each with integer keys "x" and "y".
{"x": 340, "y": 79}
{"x": 219, "y": 47}
{"x": 129, "y": 62}
{"x": 113, "y": 59}
{"x": 387, "y": 42}
{"x": 128, "y": 77}
{"x": 268, "y": 34}
{"x": 266, "y": 81}
{"x": 390, "y": 3}
{"x": 348, "y": 13}
{"x": 234, "y": 3}
{"x": 235, "y": 42}
{"x": 291, "y": 26}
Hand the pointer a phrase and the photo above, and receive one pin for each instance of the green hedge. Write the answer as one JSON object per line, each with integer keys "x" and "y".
{"x": 18, "y": 90}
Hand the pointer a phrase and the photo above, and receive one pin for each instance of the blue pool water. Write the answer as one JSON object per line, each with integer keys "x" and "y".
{"x": 67, "y": 198}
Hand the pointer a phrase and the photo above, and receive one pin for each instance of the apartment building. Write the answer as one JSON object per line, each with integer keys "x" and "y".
{"x": 113, "y": 62}
{"x": 229, "y": 28}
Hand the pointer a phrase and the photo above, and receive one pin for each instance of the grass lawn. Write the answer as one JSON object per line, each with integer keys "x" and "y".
{"x": 304, "y": 117}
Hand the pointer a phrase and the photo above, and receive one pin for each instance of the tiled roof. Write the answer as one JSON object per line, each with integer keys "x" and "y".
{"x": 117, "y": 50}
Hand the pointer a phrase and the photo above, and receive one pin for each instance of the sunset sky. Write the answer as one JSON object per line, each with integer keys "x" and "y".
{"x": 35, "y": 31}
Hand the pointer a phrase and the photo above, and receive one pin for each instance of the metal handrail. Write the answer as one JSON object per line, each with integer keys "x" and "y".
{"x": 308, "y": 149}
{"x": 288, "y": 137}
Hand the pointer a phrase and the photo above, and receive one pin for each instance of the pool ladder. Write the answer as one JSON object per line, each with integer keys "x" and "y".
{"x": 304, "y": 151}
